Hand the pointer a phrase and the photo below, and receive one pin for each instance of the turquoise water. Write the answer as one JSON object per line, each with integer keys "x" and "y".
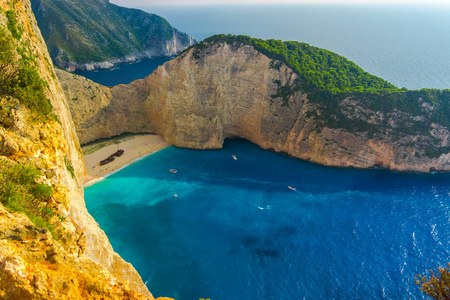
{"x": 236, "y": 231}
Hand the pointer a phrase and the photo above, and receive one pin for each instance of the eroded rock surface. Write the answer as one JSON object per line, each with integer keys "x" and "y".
{"x": 80, "y": 260}
{"x": 202, "y": 97}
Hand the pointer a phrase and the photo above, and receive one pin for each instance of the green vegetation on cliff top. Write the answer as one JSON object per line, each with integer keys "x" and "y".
{"x": 85, "y": 31}
{"x": 328, "y": 78}
{"x": 318, "y": 69}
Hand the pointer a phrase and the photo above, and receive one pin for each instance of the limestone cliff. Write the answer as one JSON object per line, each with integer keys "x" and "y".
{"x": 34, "y": 266}
{"x": 72, "y": 258}
{"x": 92, "y": 34}
{"x": 221, "y": 90}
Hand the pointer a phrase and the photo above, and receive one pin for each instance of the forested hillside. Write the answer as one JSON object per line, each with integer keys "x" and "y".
{"x": 83, "y": 32}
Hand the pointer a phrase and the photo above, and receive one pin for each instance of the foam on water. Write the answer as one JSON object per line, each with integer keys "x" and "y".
{"x": 236, "y": 231}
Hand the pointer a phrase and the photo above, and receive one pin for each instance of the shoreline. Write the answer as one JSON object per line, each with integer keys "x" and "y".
{"x": 136, "y": 148}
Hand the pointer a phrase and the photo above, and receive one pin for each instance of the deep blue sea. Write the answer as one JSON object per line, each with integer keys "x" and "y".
{"x": 236, "y": 231}
{"x": 125, "y": 73}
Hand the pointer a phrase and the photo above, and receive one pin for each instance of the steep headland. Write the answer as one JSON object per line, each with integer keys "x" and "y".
{"x": 50, "y": 247}
{"x": 92, "y": 34}
{"x": 287, "y": 97}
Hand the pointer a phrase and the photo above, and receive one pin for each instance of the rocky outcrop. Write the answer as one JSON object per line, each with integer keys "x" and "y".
{"x": 91, "y": 34}
{"x": 222, "y": 91}
{"x": 79, "y": 260}
{"x": 34, "y": 266}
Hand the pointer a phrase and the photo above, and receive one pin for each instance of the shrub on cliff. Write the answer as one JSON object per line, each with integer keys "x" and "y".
{"x": 21, "y": 191}
{"x": 29, "y": 88}
{"x": 437, "y": 286}
{"x": 19, "y": 77}
{"x": 8, "y": 71}
{"x": 16, "y": 30}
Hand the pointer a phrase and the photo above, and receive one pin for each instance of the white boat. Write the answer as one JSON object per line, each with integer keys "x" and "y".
{"x": 234, "y": 157}
{"x": 292, "y": 188}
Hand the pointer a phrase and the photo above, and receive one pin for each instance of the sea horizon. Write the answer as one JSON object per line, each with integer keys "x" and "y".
{"x": 403, "y": 44}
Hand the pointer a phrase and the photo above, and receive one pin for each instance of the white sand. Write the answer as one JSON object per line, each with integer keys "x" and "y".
{"x": 135, "y": 147}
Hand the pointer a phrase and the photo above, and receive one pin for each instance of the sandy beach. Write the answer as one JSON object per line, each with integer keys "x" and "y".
{"x": 136, "y": 147}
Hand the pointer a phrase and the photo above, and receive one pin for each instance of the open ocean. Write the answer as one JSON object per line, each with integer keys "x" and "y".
{"x": 236, "y": 231}
{"x": 407, "y": 45}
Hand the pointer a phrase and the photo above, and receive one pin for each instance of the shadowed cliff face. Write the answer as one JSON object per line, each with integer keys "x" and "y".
{"x": 200, "y": 98}
{"x": 76, "y": 259}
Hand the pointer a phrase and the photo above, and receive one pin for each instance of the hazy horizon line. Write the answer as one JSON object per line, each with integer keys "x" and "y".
{"x": 141, "y": 3}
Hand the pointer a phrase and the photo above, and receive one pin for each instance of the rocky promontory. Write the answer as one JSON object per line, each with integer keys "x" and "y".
{"x": 93, "y": 34}
{"x": 220, "y": 89}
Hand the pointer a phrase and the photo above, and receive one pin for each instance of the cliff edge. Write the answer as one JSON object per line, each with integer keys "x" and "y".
{"x": 50, "y": 247}
{"x": 224, "y": 87}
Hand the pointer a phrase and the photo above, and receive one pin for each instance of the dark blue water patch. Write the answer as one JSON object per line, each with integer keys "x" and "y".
{"x": 125, "y": 73}
{"x": 236, "y": 231}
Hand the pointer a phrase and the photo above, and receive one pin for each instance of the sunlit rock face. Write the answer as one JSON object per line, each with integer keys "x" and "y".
{"x": 76, "y": 260}
{"x": 200, "y": 98}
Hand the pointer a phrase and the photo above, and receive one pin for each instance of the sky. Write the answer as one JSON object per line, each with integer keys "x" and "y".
{"x": 134, "y": 3}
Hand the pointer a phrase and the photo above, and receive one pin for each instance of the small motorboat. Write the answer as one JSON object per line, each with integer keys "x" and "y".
{"x": 175, "y": 195}
{"x": 173, "y": 171}
{"x": 292, "y": 188}
{"x": 234, "y": 157}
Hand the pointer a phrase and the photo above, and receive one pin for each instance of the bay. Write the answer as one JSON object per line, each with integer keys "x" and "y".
{"x": 236, "y": 231}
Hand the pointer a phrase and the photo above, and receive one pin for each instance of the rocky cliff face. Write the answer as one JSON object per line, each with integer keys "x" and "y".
{"x": 204, "y": 96}
{"x": 76, "y": 259}
{"x": 91, "y": 34}
{"x": 34, "y": 266}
